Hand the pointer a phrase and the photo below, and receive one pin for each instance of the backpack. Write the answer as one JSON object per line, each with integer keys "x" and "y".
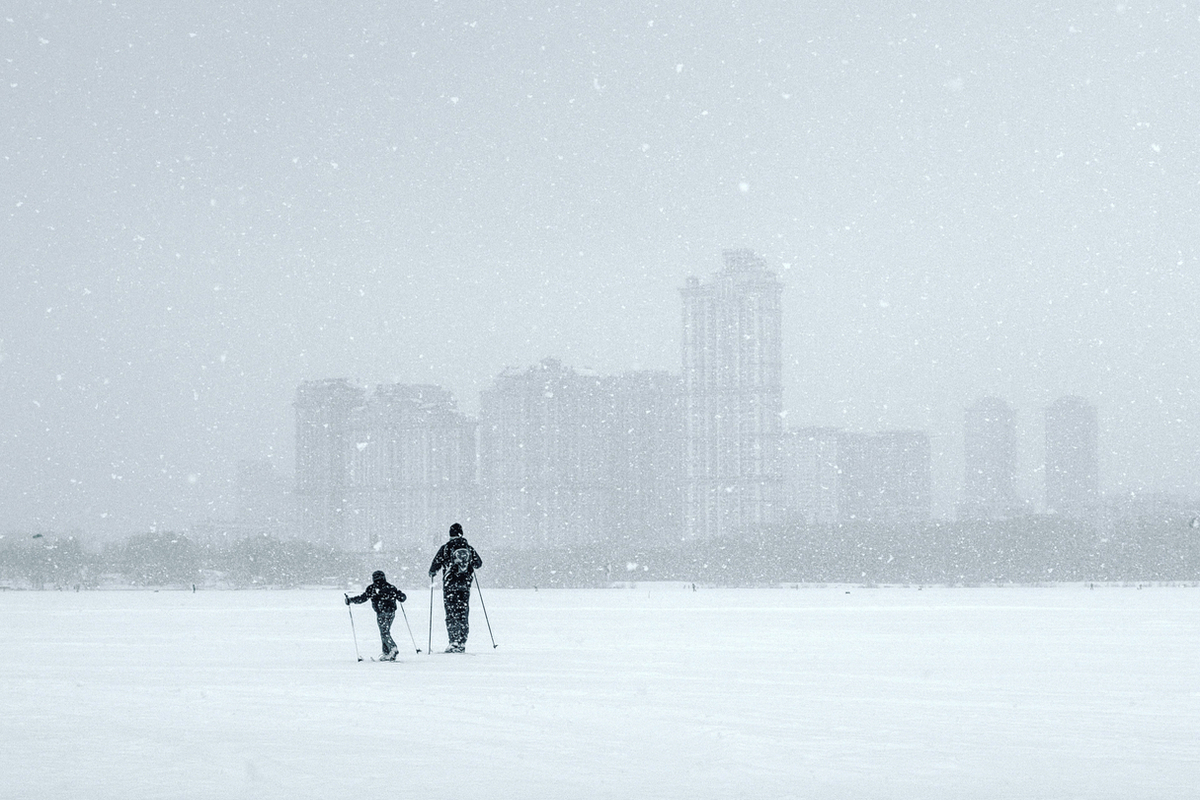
{"x": 460, "y": 560}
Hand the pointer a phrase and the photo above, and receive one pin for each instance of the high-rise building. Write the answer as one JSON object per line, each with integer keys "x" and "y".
{"x": 381, "y": 472}
{"x": 733, "y": 398}
{"x": 990, "y": 461}
{"x": 412, "y": 468}
{"x": 324, "y": 443}
{"x": 884, "y": 477}
{"x": 572, "y": 458}
{"x": 1072, "y": 458}
{"x": 645, "y": 458}
{"x": 542, "y": 446}
{"x": 811, "y": 475}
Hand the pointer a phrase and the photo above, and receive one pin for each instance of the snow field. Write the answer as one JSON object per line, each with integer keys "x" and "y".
{"x": 647, "y": 692}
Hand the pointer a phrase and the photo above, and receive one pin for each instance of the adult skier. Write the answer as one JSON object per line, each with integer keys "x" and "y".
{"x": 458, "y": 561}
{"x": 383, "y": 597}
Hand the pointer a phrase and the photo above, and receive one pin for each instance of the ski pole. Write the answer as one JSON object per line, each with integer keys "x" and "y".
{"x": 410, "y": 636}
{"x": 484, "y": 607}
{"x": 352, "y": 630}
{"x": 429, "y": 649}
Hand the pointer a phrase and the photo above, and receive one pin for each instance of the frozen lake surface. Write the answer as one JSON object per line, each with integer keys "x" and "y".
{"x": 656, "y": 691}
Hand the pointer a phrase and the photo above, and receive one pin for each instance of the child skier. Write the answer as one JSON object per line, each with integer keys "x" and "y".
{"x": 383, "y": 597}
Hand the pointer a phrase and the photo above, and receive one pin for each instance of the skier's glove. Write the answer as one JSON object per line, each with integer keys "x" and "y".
{"x": 403, "y": 597}
{"x": 347, "y": 599}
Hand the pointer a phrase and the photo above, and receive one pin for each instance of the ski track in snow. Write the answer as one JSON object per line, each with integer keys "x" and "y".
{"x": 648, "y": 692}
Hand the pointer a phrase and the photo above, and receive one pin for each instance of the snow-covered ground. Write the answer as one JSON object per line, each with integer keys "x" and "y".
{"x": 655, "y": 691}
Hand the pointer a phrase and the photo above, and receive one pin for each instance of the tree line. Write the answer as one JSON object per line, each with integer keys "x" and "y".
{"x": 1019, "y": 551}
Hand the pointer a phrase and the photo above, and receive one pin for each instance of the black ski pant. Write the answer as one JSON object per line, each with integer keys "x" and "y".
{"x": 384, "y": 618}
{"x": 458, "y": 606}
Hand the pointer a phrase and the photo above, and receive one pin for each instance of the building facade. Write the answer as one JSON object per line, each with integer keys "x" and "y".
{"x": 384, "y": 471}
{"x": 733, "y": 398}
{"x": 1072, "y": 459}
{"x": 812, "y": 476}
{"x": 324, "y": 443}
{"x": 412, "y": 468}
{"x": 542, "y": 457}
{"x": 573, "y": 458}
{"x": 646, "y": 457}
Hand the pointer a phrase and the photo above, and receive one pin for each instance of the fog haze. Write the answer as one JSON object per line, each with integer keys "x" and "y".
{"x": 202, "y": 207}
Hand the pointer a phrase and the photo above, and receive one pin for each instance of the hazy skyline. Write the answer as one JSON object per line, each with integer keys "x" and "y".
{"x": 203, "y": 207}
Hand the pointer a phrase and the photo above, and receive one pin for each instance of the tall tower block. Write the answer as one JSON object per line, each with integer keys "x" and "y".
{"x": 733, "y": 398}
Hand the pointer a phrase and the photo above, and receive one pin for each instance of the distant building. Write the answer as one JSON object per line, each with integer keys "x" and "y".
{"x": 381, "y": 472}
{"x": 646, "y": 456}
{"x": 990, "y": 461}
{"x": 412, "y": 470}
{"x": 884, "y": 477}
{"x": 733, "y": 398}
{"x": 572, "y": 458}
{"x": 542, "y": 443}
{"x": 324, "y": 443}
{"x": 1072, "y": 459}
{"x": 811, "y": 476}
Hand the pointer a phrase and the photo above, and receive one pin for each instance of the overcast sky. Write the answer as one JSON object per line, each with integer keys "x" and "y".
{"x": 202, "y": 205}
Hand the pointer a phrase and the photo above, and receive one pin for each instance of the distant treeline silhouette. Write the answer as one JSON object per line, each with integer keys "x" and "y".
{"x": 1021, "y": 551}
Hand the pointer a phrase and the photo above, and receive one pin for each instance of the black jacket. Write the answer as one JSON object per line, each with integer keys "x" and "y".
{"x": 383, "y": 596}
{"x": 458, "y": 561}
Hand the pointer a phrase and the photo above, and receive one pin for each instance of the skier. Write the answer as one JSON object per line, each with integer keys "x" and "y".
{"x": 383, "y": 597}
{"x": 458, "y": 561}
